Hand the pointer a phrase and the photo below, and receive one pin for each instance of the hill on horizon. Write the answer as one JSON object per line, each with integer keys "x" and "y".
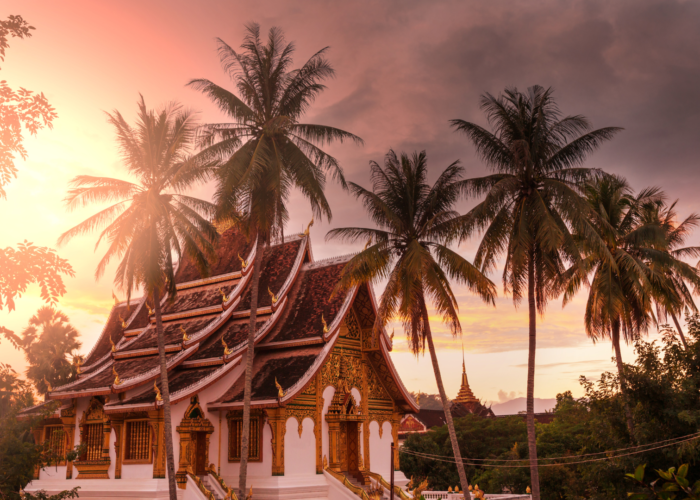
{"x": 517, "y": 405}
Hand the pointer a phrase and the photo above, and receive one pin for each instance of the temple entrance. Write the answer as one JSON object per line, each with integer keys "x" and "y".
{"x": 200, "y": 458}
{"x": 353, "y": 447}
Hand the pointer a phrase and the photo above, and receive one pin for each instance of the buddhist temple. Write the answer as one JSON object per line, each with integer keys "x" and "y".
{"x": 326, "y": 399}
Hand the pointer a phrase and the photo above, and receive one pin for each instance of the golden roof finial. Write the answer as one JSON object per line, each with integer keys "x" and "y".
{"x": 150, "y": 311}
{"x": 224, "y": 297}
{"x": 227, "y": 351}
{"x": 244, "y": 263}
{"x": 77, "y": 361}
{"x": 325, "y": 325}
{"x": 185, "y": 337}
{"x": 308, "y": 228}
{"x": 48, "y": 385}
{"x": 280, "y": 391}
{"x": 155, "y": 388}
{"x": 123, "y": 322}
{"x": 114, "y": 348}
{"x": 272, "y": 296}
{"x": 418, "y": 399}
{"x": 117, "y": 381}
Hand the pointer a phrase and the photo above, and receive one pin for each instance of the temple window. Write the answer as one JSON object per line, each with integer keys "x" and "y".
{"x": 54, "y": 440}
{"x": 235, "y": 433}
{"x": 137, "y": 445}
{"x": 92, "y": 439}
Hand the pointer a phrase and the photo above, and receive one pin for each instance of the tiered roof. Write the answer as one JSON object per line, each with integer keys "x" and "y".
{"x": 298, "y": 324}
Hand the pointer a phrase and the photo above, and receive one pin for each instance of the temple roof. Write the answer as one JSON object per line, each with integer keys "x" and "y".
{"x": 298, "y": 322}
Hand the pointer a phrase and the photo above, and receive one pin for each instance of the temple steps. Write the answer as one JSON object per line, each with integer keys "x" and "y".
{"x": 208, "y": 484}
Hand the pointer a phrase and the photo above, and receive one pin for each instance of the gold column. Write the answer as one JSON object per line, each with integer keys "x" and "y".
{"x": 68, "y": 419}
{"x": 278, "y": 422}
{"x": 318, "y": 425}
{"x": 218, "y": 459}
{"x": 334, "y": 446}
{"x": 185, "y": 463}
{"x": 395, "y": 420}
{"x": 155, "y": 419}
{"x": 119, "y": 443}
{"x": 365, "y": 412}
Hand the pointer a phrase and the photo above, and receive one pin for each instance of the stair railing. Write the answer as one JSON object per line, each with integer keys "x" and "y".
{"x": 208, "y": 494}
{"x": 341, "y": 477}
{"x": 397, "y": 491}
{"x": 230, "y": 494}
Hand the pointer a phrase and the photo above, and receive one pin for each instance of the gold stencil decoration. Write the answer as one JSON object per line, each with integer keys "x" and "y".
{"x": 353, "y": 327}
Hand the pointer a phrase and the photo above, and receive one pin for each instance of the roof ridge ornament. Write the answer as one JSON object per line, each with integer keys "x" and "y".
{"x": 117, "y": 381}
{"x": 123, "y": 322}
{"x": 244, "y": 263}
{"x": 325, "y": 325}
{"x": 227, "y": 351}
{"x": 185, "y": 337}
{"x": 155, "y": 388}
{"x": 280, "y": 390}
{"x": 150, "y": 311}
{"x": 77, "y": 361}
{"x": 308, "y": 228}
{"x": 273, "y": 297}
{"x": 48, "y": 385}
{"x": 224, "y": 297}
{"x": 114, "y": 347}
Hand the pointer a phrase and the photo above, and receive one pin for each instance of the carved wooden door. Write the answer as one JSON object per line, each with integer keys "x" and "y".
{"x": 201, "y": 454}
{"x": 353, "y": 447}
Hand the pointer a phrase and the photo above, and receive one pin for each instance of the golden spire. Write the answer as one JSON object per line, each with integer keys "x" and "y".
{"x": 155, "y": 388}
{"x": 280, "y": 391}
{"x": 418, "y": 399}
{"x": 227, "y": 351}
{"x": 325, "y": 325}
{"x": 185, "y": 338}
{"x": 114, "y": 348}
{"x": 465, "y": 394}
{"x": 224, "y": 297}
{"x": 244, "y": 263}
{"x": 308, "y": 228}
{"x": 48, "y": 385}
{"x": 116, "y": 376}
{"x": 272, "y": 296}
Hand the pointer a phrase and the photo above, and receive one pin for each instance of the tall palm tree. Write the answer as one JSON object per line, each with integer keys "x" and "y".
{"x": 410, "y": 249}
{"x": 680, "y": 274}
{"x": 530, "y": 202}
{"x": 265, "y": 152}
{"x": 151, "y": 222}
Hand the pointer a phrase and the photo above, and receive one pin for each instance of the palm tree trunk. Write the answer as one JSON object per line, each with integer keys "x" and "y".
{"x": 245, "y": 435}
{"x": 621, "y": 375}
{"x": 169, "y": 457}
{"x": 445, "y": 404}
{"x": 680, "y": 330}
{"x": 531, "y": 436}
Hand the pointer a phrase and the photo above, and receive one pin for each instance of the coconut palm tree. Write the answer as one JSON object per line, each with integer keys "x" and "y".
{"x": 531, "y": 201}
{"x": 682, "y": 277}
{"x": 409, "y": 248}
{"x": 151, "y": 222}
{"x": 265, "y": 152}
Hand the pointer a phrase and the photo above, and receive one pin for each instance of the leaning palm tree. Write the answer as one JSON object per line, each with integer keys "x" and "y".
{"x": 410, "y": 249}
{"x": 151, "y": 222}
{"x": 265, "y": 152}
{"x": 681, "y": 276}
{"x": 531, "y": 201}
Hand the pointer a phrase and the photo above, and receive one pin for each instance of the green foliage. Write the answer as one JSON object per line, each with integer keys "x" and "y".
{"x": 48, "y": 342}
{"x": 42, "y": 495}
{"x": 674, "y": 482}
{"x": 19, "y": 109}
{"x": 663, "y": 386}
{"x": 26, "y": 265}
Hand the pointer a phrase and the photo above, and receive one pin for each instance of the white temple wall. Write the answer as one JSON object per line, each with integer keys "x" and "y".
{"x": 380, "y": 448}
{"x": 229, "y": 470}
{"x": 53, "y": 472}
{"x": 137, "y": 471}
{"x": 328, "y": 393}
{"x": 299, "y": 451}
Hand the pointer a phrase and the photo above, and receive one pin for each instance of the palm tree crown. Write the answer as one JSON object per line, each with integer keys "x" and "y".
{"x": 150, "y": 222}
{"x": 266, "y": 151}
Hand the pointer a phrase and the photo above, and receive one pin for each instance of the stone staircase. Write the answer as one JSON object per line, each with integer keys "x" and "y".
{"x": 208, "y": 482}
{"x": 357, "y": 483}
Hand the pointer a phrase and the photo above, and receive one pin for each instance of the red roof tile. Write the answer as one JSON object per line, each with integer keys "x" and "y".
{"x": 235, "y": 332}
{"x": 230, "y": 245}
{"x": 114, "y": 329}
{"x": 172, "y": 333}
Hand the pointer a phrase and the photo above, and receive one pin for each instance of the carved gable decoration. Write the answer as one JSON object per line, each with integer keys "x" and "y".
{"x": 94, "y": 413}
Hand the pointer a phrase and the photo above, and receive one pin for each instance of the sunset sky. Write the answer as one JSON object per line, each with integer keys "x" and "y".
{"x": 403, "y": 69}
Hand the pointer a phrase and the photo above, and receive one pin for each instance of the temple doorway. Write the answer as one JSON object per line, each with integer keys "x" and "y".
{"x": 201, "y": 455}
{"x": 353, "y": 447}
